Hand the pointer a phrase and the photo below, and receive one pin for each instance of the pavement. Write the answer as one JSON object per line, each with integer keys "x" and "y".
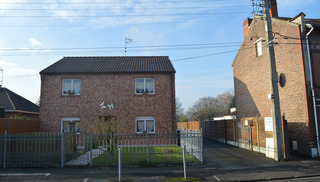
{"x": 222, "y": 162}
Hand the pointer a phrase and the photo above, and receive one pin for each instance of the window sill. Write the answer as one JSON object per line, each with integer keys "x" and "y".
{"x": 141, "y": 133}
{"x": 144, "y": 94}
{"x": 71, "y": 95}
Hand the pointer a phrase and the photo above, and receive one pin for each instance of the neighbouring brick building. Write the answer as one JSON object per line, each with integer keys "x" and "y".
{"x": 252, "y": 79}
{"x": 138, "y": 91}
{"x": 17, "y": 106}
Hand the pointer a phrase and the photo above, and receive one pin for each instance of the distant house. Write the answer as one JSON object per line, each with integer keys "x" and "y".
{"x": 230, "y": 116}
{"x": 15, "y": 105}
{"x": 138, "y": 91}
{"x": 252, "y": 79}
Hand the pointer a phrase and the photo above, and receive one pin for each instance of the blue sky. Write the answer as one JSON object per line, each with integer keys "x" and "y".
{"x": 200, "y": 37}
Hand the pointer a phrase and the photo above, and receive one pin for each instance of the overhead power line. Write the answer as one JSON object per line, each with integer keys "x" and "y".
{"x": 111, "y": 2}
{"x": 113, "y": 9}
{"x": 127, "y": 15}
{"x": 118, "y": 24}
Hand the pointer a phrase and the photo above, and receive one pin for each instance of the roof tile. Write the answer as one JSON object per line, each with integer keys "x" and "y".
{"x": 128, "y": 64}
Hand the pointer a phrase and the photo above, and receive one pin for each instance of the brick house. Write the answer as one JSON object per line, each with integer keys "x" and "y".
{"x": 252, "y": 79}
{"x": 17, "y": 106}
{"x": 138, "y": 91}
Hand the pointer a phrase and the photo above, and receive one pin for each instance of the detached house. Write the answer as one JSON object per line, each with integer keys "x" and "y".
{"x": 297, "y": 55}
{"x": 17, "y": 106}
{"x": 138, "y": 91}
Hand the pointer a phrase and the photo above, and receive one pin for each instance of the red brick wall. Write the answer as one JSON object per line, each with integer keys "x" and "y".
{"x": 118, "y": 89}
{"x": 252, "y": 80}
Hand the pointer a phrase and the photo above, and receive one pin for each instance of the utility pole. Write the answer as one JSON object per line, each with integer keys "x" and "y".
{"x": 274, "y": 92}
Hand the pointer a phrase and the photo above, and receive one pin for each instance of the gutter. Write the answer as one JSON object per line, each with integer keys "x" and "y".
{"x": 20, "y": 111}
{"x": 312, "y": 89}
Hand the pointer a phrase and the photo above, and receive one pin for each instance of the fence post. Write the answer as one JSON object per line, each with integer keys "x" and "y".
{"x": 147, "y": 146}
{"x": 8, "y": 124}
{"x": 201, "y": 135}
{"x": 62, "y": 149}
{"x": 5, "y": 149}
{"x": 184, "y": 162}
{"x": 120, "y": 164}
{"x": 90, "y": 149}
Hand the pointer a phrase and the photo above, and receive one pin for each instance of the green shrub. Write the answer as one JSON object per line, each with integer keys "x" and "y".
{"x": 145, "y": 163}
{"x": 20, "y": 117}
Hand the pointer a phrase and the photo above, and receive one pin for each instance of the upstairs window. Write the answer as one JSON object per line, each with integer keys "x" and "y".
{"x": 258, "y": 47}
{"x": 71, "y": 87}
{"x": 144, "y": 86}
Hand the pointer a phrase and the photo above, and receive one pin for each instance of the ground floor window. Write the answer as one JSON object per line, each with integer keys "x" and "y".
{"x": 70, "y": 124}
{"x": 144, "y": 123}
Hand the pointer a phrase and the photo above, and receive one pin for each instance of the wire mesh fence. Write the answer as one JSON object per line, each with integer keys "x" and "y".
{"x": 98, "y": 149}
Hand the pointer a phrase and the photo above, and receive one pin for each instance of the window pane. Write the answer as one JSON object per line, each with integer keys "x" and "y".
{"x": 149, "y": 85}
{"x": 66, "y": 87}
{"x": 139, "y": 85}
{"x": 140, "y": 126}
{"x": 150, "y": 125}
{"x": 76, "y": 86}
{"x": 71, "y": 126}
{"x": 65, "y": 126}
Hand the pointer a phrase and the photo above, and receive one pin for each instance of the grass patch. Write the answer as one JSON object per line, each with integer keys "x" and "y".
{"x": 182, "y": 179}
{"x": 134, "y": 155}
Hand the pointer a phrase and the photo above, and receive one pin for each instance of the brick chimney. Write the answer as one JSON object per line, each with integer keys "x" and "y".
{"x": 274, "y": 9}
{"x": 246, "y": 25}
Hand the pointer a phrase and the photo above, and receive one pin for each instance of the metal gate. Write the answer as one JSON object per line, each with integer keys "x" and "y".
{"x": 75, "y": 149}
{"x": 244, "y": 136}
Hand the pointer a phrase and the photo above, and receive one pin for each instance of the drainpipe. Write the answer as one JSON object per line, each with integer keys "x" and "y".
{"x": 312, "y": 89}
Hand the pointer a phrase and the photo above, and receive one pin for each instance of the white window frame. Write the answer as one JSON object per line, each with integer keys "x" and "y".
{"x": 145, "y": 119}
{"x": 258, "y": 44}
{"x": 71, "y": 119}
{"x": 72, "y": 85}
{"x": 144, "y": 86}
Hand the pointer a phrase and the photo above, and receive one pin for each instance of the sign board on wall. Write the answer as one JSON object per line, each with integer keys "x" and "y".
{"x": 270, "y": 148}
{"x": 268, "y": 124}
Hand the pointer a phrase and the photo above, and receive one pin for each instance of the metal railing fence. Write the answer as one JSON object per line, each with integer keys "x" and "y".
{"x": 98, "y": 149}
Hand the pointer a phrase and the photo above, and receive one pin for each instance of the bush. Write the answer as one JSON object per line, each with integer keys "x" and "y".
{"x": 146, "y": 164}
{"x": 20, "y": 117}
{"x": 183, "y": 119}
{"x": 2, "y": 113}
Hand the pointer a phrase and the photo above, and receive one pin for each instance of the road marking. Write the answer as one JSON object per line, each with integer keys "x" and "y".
{"x": 25, "y": 174}
{"x": 85, "y": 180}
{"x": 216, "y": 178}
{"x": 306, "y": 178}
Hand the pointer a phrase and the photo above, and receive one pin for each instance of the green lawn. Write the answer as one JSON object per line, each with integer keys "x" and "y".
{"x": 134, "y": 155}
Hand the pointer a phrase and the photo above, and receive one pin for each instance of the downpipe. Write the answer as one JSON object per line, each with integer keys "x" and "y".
{"x": 312, "y": 89}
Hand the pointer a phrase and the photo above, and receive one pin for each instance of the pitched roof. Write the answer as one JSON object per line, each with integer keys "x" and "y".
{"x": 128, "y": 64}
{"x": 313, "y": 22}
{"x": 14, "y": 102}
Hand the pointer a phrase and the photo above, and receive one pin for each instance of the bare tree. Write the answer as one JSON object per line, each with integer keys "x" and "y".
{"x": 179, "y": 109}
{"x": 208, "y": 107}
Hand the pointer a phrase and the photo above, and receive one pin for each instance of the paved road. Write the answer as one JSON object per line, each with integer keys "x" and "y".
{"x": 221, "y": 163}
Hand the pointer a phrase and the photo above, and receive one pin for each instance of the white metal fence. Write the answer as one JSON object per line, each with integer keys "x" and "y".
{"x": 97, "y": 149}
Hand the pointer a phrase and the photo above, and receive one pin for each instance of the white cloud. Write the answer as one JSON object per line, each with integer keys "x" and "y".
{"x": 12, "y": 69}
{"x": 34, "y": 42}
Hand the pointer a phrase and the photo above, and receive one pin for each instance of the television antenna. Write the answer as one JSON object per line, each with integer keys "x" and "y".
{"x": 127, "y": 40}
{"x": 257, "y": 7}
{"x": 1, "y": 83}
